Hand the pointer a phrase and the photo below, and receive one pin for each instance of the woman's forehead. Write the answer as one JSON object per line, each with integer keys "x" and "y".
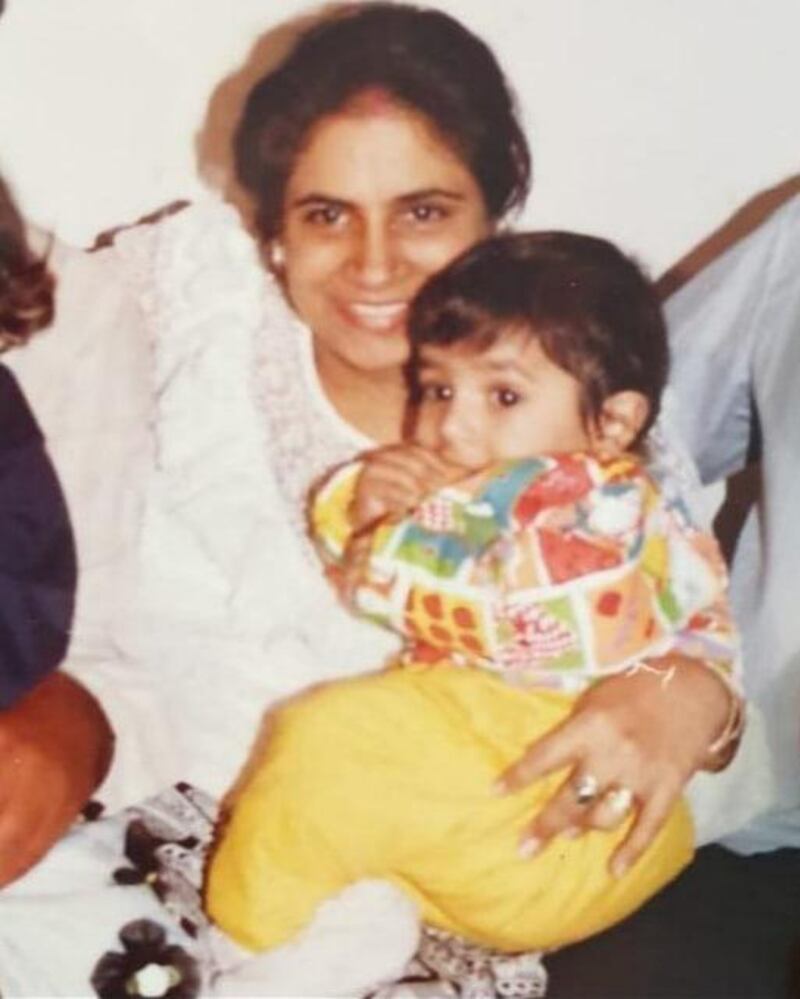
{"x": 376, "y": 150}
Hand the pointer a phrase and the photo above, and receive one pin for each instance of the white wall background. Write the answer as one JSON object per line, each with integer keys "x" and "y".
{"x": 651, "y": 121}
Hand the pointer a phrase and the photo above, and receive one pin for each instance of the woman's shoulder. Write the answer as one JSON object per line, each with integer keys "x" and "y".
{"x": 186, "y": 251}
{"x": 201, "y": 285}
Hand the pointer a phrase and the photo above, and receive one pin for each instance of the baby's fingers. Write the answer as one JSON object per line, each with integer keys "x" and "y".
{"x": 382, "y": 491}
{"x": 395, "y": 480}
{"x": 381, "y": 500}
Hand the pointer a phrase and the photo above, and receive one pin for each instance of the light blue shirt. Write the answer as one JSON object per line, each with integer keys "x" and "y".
{"x": 735, "y": 336}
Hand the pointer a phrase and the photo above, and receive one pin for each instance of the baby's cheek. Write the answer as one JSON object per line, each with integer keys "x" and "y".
{"x": 424, "y": 430}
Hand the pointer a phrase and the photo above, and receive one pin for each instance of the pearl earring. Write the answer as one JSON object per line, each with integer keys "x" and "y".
{"x": 277, "y": 255}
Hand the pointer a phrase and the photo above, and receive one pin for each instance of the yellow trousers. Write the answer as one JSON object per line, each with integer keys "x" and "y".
{"x": 390, "y": 776}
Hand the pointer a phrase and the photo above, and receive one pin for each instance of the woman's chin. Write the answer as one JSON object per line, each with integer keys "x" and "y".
{"x": 386, "y": 352}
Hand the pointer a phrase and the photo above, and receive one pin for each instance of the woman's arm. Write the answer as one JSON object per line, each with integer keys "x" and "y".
{"x": 633, "y": 730}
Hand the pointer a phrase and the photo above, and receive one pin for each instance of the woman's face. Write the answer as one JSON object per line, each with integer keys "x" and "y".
{"x": 376, "y": 203}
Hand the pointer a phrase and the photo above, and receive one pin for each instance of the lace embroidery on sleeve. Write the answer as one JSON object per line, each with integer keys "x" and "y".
{"x": 304, "y": 437}
{"x": 216, "y": 313}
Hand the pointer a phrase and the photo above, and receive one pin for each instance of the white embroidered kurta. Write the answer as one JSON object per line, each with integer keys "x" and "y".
{"x": 233, "y": 612}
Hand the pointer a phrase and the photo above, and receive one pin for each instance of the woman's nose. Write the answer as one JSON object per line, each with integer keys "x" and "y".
{"x": 374, "y": 255}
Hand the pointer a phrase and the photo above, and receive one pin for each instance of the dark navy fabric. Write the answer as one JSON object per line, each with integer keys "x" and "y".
{"x": 727, "y": 928}
{"x": 37, "y": 551}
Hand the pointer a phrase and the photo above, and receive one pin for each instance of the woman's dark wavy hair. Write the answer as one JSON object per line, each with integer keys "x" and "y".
{"x": 26, "y": 286}
{"x": 590, "y": 307}
{"x": 424, "y": 59}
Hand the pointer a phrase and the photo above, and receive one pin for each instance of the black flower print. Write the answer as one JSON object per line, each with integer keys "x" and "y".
{"x": 141, "y": 849}
{"x": 148, "y": 966}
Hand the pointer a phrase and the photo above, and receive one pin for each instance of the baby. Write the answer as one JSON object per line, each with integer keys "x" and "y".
{"x": 520, "y": 547}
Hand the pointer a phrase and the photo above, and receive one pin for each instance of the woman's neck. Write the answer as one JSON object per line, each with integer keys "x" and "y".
{"x": 372, "y": 402}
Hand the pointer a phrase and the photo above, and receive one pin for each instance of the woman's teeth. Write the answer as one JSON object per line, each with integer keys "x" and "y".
{"x": 378, "y": 317}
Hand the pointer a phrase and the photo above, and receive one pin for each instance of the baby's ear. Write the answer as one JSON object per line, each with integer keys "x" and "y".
{"x": 621, "y": 419}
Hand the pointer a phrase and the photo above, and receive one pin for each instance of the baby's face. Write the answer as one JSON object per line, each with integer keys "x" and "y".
{"x": 507, "y": 401}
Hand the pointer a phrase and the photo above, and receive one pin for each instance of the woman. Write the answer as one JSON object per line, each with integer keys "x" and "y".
{"x": 349, "y": 263}
{"x": 379, "y": 197}
{"x": 385, "y": 144}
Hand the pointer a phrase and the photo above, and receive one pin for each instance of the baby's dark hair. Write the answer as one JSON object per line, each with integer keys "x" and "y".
{"x": 423, "y": 59}
{"x": 592, "y": 309}
{"x": 26, "y": 285}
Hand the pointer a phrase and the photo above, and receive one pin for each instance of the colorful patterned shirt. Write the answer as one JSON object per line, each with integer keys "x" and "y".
{"x": 553, "y": 570}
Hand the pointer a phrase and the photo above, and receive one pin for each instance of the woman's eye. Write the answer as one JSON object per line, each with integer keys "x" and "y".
{"x": 506, "y": 397}
{"x": 426, "y": 212}
{"x": 325, "y": 215}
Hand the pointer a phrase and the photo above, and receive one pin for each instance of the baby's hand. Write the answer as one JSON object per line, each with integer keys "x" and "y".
{"x": 395, "y": 479}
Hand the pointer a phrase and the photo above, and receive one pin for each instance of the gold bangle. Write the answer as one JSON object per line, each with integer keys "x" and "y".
{"x": 722, "y": 749}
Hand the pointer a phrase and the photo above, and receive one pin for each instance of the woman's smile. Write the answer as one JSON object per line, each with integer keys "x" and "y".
{"x": 376, "y": 317}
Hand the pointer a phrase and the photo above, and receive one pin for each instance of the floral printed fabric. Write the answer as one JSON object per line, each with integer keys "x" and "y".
{"x": 553, "y": 570}
{"x": 158, "y": 936}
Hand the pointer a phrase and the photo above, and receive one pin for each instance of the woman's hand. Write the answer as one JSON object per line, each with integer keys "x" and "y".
{"x": 395, "y": 479}
{"x": 55, "y": 748}
{"x": 634, "y": 739}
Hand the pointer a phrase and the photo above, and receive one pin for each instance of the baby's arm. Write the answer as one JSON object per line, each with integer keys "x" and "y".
{"x": 381, "y": 486}
{"x": 708, "y": 635}
{"x": 601, "y": 575}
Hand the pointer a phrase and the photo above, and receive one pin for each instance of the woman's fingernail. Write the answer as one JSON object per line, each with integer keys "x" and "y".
{"x": 499, "y": 787}
{"x": 529, "y": 847}
{"x": 618, "y": 867}
{"x": 571, "y": 832}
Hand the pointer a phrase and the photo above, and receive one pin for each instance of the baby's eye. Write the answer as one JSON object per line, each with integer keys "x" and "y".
{"x": 435, "y": 392}
{"x": 506, "y": 397}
